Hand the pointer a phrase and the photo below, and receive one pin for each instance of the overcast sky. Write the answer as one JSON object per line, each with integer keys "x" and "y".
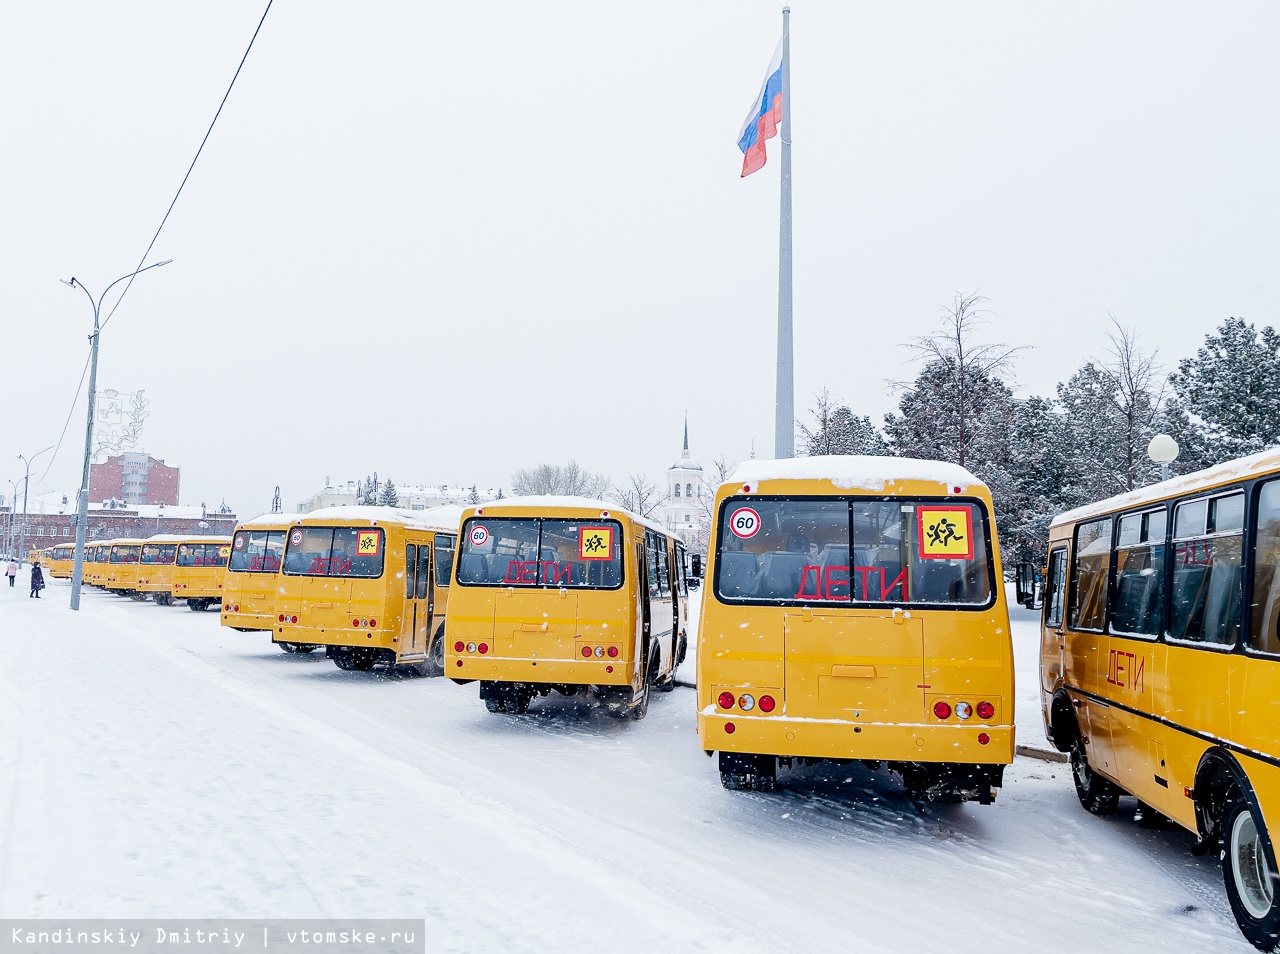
{"x": 444, "y": 241}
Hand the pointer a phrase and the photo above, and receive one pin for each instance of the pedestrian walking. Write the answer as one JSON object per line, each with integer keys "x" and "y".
{"x": 11, "y": 571}
{"x": 37, "y": 580}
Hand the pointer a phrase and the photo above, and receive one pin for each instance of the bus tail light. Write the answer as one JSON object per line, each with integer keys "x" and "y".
{"x": 983, "y": 738}
{"x": 483, "y": 648}
{"x": 963, "y": 710}
{"x": 986, "y": 710}
{"x": 766, "y": 703}
{"x": 471, "y": 647}
{"x": 355, "y": 623}
{"x": 942, "y": 710}
{"x": 280, "y": 618}
{"x": 730, "y": 728}
{"x": 613, "y": 652}
{"x": 726, "y": 700}
{"x": 459, "y": 646}
{"x": 373, "y": 623}
{"x": 586, "y": 652}
{"x": 599, "y": 652}
{"x": 746, "y": 702}
{"x": 293, "y": 619}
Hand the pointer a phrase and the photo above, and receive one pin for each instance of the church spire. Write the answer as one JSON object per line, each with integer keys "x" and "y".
{"x": 685, "y": 453}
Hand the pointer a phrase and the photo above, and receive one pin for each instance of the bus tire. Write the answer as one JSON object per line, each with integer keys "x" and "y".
{"x": 290, "y": 648}
{"x": 1096, "y": 794}
{"x": 1249, "y": 872}
{"x": 748, "y": 773}
{"x": 196, "y": 606}
{"x": 341, "y": 658}
{"x": 435, "y": 659}
{"x": 304, "y": 649}
{"x": 163, "y": 599}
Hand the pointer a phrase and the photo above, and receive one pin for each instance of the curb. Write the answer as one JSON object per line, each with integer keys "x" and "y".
{"x": 1044, "y": 755}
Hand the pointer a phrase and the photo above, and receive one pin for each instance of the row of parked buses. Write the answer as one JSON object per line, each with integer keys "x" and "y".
{"x": 165, "y": 568}
{"x": 853, "y": 609}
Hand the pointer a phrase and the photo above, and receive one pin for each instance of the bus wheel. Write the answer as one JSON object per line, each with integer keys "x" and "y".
{"x": 361, "y": 660}
{"x": 743, "y": 773}
{"x": 163, "y": 599}
{"x": 341, "y": 658}
{"x": 288, "y": 647}
{"x": 304, "y": 649}
{"x": 196, "y": 606}
{"x": 1250, "y": 875}
{"x": 1097, "y": 795}
{"x": 435, "y": 661}
{"x": 137, "y": 596}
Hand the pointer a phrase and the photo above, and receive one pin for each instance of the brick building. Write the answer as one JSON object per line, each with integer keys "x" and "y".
{"x": 46, "y": 529}
{"x": 135, "y": 479}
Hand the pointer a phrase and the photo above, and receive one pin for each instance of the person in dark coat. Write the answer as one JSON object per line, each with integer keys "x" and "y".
{"x": 37, "y": 580}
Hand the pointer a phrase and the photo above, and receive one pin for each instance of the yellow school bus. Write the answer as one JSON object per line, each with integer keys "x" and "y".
{"x": 853, "y": 610}
{"x": 253, "y": 572}
{"x": 95, "y": 562}
{"x": 200, "y": 570}
{"x": 155, "y": 567}
{"x": 1160, "y": 664}
{"x": 123, "y": 565}
{"x": 570, "y": 594}
{"x": 369, "y": 584}
{"x": 58, "y": 561}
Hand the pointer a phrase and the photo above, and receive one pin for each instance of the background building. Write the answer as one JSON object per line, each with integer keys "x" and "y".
{"x": 135, "y": 479}
{"x": 409, "y": 497}
{"x": 687, "y": 510}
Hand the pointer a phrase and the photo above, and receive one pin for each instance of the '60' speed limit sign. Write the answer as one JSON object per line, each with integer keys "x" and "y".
{"x": 744, "y": 522}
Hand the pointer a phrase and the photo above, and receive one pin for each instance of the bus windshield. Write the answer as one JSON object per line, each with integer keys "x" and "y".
{"x": 853, "y": 550}
{"x": 161, "y": 553}
{"x": 126, "y": 554}
{"x": 335, "y": 551}
{"x": 533, "y": 551}
{"x": 256, "y": 551}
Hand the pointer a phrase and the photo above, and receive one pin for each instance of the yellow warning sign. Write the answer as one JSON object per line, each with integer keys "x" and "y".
{"x": 946, "y": 533}
{"x": 224, "y": 552}
{"x": 595, "y": 543}
{"x": 368, "y": 542}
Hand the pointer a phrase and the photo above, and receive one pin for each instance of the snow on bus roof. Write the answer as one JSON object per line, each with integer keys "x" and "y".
{"x": 440, "y": 518}
{"x": 855, "y": 472}
{"x": 1242, "y": 467}
{"x": 569, "y": 500}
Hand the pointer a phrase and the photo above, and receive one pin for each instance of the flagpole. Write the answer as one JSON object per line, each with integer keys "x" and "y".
{"x": 785, "y": 427}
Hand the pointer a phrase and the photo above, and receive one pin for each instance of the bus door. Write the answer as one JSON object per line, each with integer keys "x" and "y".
{"x": 661, "y": 612}
{"x": 643, "y": 610}
{"x": 420, "y": 608}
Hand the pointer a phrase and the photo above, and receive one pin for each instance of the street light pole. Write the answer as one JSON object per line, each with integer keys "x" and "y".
{"x": 26, "y": 481}
{"x": 82, "y": 505}
{"x": 13, "y": 512}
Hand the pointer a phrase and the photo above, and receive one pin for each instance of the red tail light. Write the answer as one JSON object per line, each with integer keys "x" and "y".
{"x": 766, "y": 703}
{"x": 586, "y": 652}
{"x": 355, "y": 623}
{"x": 280, "y": 618}
{"x": 986, "y": 710}
{"x": 983, "y": 738}
{"x": 293, "y": 619}
{"x": 373, "y": 622}
{"x": 942, "y": 710}
{"x": 726, "y": 700}
{"x": 483, "y": 648}
{"x": 459, "y": 646}
{"x": 613, "y": 652}
{"x": 730, "y": 728}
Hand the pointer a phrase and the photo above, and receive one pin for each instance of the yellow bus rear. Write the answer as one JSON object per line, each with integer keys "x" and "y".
{"x": 252, "y": 581}
{"x": 200, "y": 571}
{"x": 370, "y": 584}
{"x": 568, "y": 594}
{"x": 1160, "y": 665}
{"x": 123, "y": 566}
{"x": 59, "y": 560}
{"x": 95, "y": 562}
{"x": 155, "y": 568}
{"x": 853, "y": 611}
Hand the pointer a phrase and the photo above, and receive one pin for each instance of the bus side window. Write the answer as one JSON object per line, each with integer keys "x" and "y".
{"x": 1057, "y": 581}
{"x": 444, "y": 559}
{"x": 424, "y": 571}
{"x": 1207, "y": 573}
{"x": 410, "y": 561}
{"x": 1264, "y": 625}
{"x": 1090, "y": 566}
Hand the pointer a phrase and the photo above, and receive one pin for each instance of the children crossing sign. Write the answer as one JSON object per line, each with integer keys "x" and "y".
{"x": 368, "y": 543}
{"x": 595, "y": 543}
{"x": 945, "y": 533}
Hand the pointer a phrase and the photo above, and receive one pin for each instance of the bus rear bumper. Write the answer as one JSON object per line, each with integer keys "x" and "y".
{"x": 841, "y": 739}
{"x": 564, "y": 672}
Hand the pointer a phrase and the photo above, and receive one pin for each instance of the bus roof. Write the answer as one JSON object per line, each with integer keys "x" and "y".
{"x": 569, "y": 502}
{"x": 871, "y": 474}
{"x": 167, "y": 538}
{"x": 439, "y": 519}
{"x": 1265, "y": 462}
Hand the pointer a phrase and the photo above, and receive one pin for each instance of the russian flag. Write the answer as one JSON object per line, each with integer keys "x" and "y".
{"x": 766, "y": 113}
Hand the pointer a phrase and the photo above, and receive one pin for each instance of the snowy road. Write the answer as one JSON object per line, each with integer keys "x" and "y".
{"x": 154, "y": 764}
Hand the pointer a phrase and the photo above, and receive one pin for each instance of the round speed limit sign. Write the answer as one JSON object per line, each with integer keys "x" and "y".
{"x": 744, "y": 522}
{"x": 296, "y": 539}
{"x": 479, "y": 536}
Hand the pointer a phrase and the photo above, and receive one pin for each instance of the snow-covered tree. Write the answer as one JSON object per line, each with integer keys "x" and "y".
{"x": 1230, "y": 391}
{"x": 474, "y": 496}
{"x": 387, "y": 495}
{"x": 837, "y": 430}
{"x": 559, "y": 480}
{"x": 364, "y": 493}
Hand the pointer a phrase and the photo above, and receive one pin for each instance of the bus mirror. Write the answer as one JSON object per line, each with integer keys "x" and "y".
{"x": 697, "y": 566}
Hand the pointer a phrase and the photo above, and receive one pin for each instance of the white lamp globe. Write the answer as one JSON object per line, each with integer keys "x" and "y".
{"x": 1163, "y": 449}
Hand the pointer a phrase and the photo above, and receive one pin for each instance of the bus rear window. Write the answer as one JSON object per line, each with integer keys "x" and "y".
{"x": 507, "y": 551}
{"x": 125, "y": 554}
{"x": 335, "y": 551}
{"x": 203, "y": 554}
{"x": 256, "y": 551}
{"x": 158, "y": 553}
{"x": 812, "y": 550}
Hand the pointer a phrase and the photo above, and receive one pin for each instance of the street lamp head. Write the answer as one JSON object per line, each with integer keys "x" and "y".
{"x": 69, "y": 284}
{"x": 1163, "y": 449}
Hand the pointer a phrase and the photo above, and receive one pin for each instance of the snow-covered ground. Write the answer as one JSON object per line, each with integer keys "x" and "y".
{"x": 155, "y": 764}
